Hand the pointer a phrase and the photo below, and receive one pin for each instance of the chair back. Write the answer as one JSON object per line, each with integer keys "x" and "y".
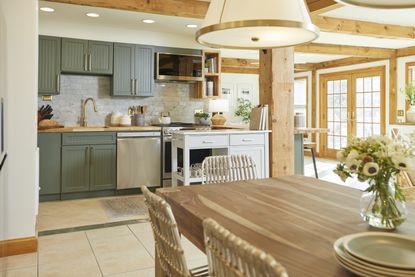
{"x": 166, "y": 235}
{"x": 230, "y": 256}
{"x": 222, "y": 169}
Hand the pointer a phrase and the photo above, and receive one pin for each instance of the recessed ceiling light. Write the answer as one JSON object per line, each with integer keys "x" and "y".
{"x": 191, "y": 26}
{"x": 92, "y": 14}
{"x": 47, "y": 9}
{"x": 148, "y": 21}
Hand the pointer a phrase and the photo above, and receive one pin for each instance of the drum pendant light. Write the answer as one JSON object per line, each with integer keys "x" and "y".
{"x": 381, "y": 4}
{"x": 256, "y": 24}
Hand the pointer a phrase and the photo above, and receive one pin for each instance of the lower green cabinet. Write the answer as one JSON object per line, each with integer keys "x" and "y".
{"x": 88, "y": 167}
{"x": 102, "y": 167}
{"x": 75, "y": 168}
{"x": 49, "y": 166}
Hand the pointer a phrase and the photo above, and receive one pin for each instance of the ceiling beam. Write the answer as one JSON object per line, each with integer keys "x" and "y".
{"x": 344, "y": 62}
{"x": 322, "y": 6}
{"x": 408, "y": 51}
{"x": 243, "y": 66}
{"x": 183, "y": 8}
{"x": 356, "y": 51}
{"x": 362, "y": 28}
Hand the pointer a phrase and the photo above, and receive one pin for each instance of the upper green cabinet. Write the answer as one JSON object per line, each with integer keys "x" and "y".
{"x": 49, "y": 65}
{"x": 86, "y": 56}
{"x": 133, "y": 70}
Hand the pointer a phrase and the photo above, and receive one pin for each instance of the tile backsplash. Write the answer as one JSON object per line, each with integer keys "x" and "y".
{"x": 176, "y": 98}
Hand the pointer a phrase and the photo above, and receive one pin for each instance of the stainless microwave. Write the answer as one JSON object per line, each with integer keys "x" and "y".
{"x": 179, "y": 67}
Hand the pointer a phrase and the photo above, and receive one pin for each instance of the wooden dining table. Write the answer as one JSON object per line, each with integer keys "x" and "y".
{"x": 296, "y": 219}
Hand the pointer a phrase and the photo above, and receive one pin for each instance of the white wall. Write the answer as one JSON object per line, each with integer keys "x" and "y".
{"x": 237, "y": 82}
{"x": 20, "y": 44}
{"x": 309, "y": 92}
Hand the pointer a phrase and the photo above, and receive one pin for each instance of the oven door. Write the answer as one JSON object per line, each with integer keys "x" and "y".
{"x": 166, "y": 163}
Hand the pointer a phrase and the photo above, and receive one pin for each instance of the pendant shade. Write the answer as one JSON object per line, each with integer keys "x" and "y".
{"x": 256, "y": 24}
{"x": 381, "y": 4}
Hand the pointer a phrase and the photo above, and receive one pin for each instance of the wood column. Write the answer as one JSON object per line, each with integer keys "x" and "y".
{"x": 276, "y": 86}
{"x": 393, "y": 91}
{"x": 314, "y": 102}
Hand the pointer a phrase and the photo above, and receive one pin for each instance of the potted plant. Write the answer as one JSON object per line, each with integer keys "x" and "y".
{"x": 244, "y": 109}
{"x": 378, "y": 160}
{"x": 410, "y": 95}
{"x": 202, "y": 118}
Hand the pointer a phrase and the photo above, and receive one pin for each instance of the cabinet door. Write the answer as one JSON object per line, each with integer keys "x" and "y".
{"x": 74, "y": 55}
{"x": 256, "y": 152}
{"x": 75, "y": 168}
{"x": 103, "y": 167}
{"x": 49, "y": 65}
{"x": 144, "y": 71}
{"x": 123, "y": 77}
{"x": 100, "y": 57}
{"x": 49, "y": 163}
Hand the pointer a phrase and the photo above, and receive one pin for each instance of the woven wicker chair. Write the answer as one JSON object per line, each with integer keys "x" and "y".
{"x": 230, "y": 256}
{"x": 167, "y": 238}
{"x": 222, "y": 169}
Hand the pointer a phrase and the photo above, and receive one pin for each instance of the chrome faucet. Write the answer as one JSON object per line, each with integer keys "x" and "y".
{"x": 84, "y": 121}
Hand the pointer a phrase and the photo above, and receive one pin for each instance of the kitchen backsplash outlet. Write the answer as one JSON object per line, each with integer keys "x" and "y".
{"x": 176, "y": 98}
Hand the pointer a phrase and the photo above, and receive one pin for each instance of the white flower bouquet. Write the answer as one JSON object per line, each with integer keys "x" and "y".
{"x": 378, "y": 160}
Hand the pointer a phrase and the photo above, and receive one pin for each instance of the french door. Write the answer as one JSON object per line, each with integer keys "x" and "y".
{"x": 352, "y": 105}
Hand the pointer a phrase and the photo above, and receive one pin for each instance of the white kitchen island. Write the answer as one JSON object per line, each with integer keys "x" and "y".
{"x": 191, "y": 146}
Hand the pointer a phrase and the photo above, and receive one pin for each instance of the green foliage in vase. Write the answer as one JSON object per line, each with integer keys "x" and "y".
{"x": 202, "y": 115}
{"x": 410, "y": 93}
{"x": 378, "y": 160}
{"x": 244, "y": 109}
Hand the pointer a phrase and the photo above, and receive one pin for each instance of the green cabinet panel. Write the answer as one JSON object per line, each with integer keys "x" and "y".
{"x": 100, "y": 57}
{"x": 85, "y": 56}
{"x": 50, "y": 160}
{"x": 299, "y": 154}
{"x": 74, "y": 55}
{"x": 89, "y": 138}
{"x": 75, "y": 168}
{"x": 144, "y": 71}
{"x": 133, "y": 70}
{"x": 123, "y": 76}
{"x": 102, "y": 167}
{"x": 49, "y": 65}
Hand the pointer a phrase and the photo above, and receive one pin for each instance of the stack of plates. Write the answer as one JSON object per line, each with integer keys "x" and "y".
{"x": 377, "y": 254}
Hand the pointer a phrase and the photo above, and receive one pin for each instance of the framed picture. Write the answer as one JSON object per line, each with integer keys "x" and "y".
{"x": 245, "y": 91}
{"x": 228, "y": 92}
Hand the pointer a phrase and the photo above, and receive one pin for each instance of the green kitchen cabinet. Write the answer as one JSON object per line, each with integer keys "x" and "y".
{"x": 102, "y": 167}
{"x": 49, "y": 166}
{"x": 86, "y": 56}
{"x": 49, "y": 65}
{"x": 75, "y": 168}
{"x": 133, "y": 70}
{"x": 88, "y": 162}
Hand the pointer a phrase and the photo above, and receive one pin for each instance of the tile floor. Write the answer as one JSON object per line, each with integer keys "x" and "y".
{"x": 121, "y": 251}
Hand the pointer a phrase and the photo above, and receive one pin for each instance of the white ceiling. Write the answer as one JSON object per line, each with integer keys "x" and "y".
{"x": 119, "y": 19}
{"x": 404, "y": 17}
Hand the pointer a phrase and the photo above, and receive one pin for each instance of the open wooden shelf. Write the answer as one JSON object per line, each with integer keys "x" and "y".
{"x": 211, "y": 73}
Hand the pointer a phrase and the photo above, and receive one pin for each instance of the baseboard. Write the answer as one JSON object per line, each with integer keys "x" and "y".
{"x": 18, "y": 246}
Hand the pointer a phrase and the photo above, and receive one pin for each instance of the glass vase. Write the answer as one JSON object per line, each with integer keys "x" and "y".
{"x": 380, "y": 208}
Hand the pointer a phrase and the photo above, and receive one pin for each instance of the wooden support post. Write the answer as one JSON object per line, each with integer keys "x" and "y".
{"x": 314, "y": 103}
{"x": 393, "y": 93}
{"x": 276, "y": 86}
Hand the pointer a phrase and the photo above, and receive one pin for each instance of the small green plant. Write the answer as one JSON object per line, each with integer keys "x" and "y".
{"x": 202, "y": 115}
{"x": 410, "y": 93}
{"x": 244, "y": 109}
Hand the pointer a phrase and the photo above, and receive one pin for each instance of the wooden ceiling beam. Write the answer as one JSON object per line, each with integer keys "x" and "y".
{"x": 322, "y": 6}
{"x": 344, "y": 62}
{"x": 356, "y": 51}
{"x": 243, "y": 66}
{"x": 408, "y": 51}
{"x": 362, "y": 28}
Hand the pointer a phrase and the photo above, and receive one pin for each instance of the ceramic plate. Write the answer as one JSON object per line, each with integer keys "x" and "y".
{"x": 349, "y": 261}
{"x": 391, "y": 250}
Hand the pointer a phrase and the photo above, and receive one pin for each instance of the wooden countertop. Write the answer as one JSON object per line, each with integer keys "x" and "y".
{"x": 310, "y": 130}
{"x": 101, "y": 129}
{"x": 296, "y": 219}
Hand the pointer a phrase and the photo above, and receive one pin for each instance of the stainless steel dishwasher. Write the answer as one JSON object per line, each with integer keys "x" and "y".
{"x": 138, "y": 159}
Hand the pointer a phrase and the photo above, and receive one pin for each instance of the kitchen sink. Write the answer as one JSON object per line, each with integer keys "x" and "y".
{"x": 87, "y": 128}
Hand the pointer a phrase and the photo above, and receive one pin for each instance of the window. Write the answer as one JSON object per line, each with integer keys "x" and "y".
{"x": 301, "y": 96}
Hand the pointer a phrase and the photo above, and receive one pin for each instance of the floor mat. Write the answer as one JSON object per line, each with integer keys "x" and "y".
{"x": 121, "y": 207}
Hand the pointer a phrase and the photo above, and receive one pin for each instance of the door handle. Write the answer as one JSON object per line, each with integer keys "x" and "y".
{"x": 90, "y": 62}
{"x": 85, "y": 62}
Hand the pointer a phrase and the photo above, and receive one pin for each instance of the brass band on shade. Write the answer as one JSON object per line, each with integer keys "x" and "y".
{"x": 373, "y": 4}
{"x": 254, "y": 23}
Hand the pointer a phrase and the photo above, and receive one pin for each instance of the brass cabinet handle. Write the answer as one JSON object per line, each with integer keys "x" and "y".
{"x": 58, "y": 83}
{"x": 91, "y": 155}
{"x": 90, "y": 62}
{"x": 86, "y": 155}
{"x": 135, "y": 87}
{"x": 132, "y": 86}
